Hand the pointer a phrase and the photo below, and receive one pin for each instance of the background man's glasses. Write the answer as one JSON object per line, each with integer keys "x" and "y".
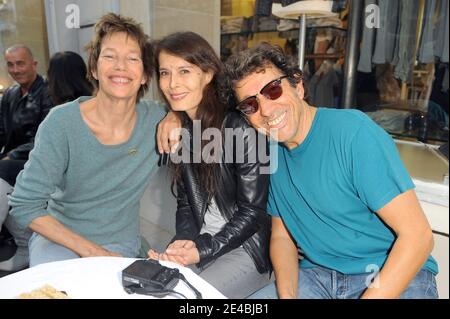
{"x": 271, "y": 91}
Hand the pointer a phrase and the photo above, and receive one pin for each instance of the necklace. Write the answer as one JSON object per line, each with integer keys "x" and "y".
{"x": 132, "y": 151}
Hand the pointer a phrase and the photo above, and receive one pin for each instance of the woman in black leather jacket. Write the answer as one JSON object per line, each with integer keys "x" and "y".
{"x": 222, "y": 228}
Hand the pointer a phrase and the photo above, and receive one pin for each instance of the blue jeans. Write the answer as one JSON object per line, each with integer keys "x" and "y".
{"x": 43, "y": 250}
{"x": 323, "y": 283}
{"x": 233, "y": 274}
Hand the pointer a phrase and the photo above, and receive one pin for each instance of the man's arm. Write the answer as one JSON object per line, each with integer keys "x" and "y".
{"x": 44, "y": 104}
{"x": 410, "y": 251}
{"x": 21, "y": 152}
{"x": 284, "y": 257}
{"x": 53, "y": 230}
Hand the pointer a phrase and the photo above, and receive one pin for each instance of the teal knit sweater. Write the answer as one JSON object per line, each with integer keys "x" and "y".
{"x": 91, "y": 188}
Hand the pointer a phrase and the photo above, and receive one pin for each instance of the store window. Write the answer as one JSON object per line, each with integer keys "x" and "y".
{"x": 246, "y": 23}
{"x": 402, "y": 58}
{"x": 48, "y": 26}
{"x": 22, "y": 22}
{"x": 403, "y": 69}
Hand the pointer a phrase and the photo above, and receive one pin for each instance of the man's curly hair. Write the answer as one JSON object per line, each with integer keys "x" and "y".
{"x": 253, "y": 60}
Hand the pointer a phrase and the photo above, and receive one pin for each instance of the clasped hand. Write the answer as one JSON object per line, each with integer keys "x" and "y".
{"x": 183, "y": 252}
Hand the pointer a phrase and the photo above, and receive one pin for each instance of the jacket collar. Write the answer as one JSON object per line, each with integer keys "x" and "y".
{"x": 37, "y": 84}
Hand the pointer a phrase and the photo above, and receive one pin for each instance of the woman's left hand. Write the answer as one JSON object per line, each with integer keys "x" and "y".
{"x": 189, "y": 255}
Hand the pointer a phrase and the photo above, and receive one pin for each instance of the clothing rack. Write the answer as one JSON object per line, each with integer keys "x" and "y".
{"x": 301, "y": 41}
{"x": 352, "y": 52}
{"x": 423, "y": 27}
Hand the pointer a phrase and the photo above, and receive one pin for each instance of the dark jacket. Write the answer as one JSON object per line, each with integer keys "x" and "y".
{"x": 241, "y": 197}
{"x": 20, "y": 117}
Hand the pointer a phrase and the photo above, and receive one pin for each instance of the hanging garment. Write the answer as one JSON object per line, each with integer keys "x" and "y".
{"x": 339, "y": 5}
{"x": 365, "y": 57}
{"x": 404, "y": 60}
{"x": 386, "y": 34}
{"x": 287, "y": 24}
{"x": 321, "y": 86}
{"x": 439, "y": 92}
{"x": 441, "y": 33}
{"x": 310, "y": 42}
{"x": 267, "y": 23}
{"x": 285, "y": 3}
{"x": 264, "y": 7}
{"x": 445, "y": 80}
{"x": 426, "y": 48}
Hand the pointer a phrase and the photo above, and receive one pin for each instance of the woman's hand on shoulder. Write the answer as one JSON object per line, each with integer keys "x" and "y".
{"x": 169, "y": 133}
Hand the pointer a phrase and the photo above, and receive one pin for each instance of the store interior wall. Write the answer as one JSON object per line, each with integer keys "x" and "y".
{"x": 23, "y": 22}
{"x": 36, "y": 21}
{"x": 200, "y": 16}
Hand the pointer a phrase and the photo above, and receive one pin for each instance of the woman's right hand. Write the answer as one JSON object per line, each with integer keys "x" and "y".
{"x": 152, "y": 254}
{"x": 169, "y": 133}
{"x": 183, "y": 253}
{"x": 112, "y": 254}
{"x": 99, "y": 251}
{"x": 49, "y": 227}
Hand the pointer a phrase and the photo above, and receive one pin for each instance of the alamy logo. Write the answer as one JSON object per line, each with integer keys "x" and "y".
{"x": 73, "y": 19}
{"x": 226, "y": 146}
{"x": 372, "y": 20}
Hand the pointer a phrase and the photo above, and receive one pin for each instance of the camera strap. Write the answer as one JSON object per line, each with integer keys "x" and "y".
{"x": 148, "y": 291}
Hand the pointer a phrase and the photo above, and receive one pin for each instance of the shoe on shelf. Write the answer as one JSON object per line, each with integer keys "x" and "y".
{"x": 17, "y": 262}
{"x": 4, "y": 235}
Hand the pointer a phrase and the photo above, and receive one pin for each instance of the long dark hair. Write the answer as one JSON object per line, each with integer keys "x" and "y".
{"x": 67, "y": 77}
{"x": 194, "y": 49}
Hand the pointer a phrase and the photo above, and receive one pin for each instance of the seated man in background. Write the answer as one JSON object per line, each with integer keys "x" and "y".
{"x": 22, "y": 109}
{"x": 339, "y": 192}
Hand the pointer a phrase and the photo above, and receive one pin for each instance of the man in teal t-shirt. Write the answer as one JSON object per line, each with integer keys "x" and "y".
{"x": 338, "y": 191}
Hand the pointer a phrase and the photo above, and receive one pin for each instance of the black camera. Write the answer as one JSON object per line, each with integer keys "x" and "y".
{"x": 149, "y": 277}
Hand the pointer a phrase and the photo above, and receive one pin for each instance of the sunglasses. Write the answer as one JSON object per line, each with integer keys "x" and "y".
{"x": 271, "y": 91}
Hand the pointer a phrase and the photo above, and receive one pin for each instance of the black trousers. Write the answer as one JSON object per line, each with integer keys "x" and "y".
{"x": 9, "y": 169}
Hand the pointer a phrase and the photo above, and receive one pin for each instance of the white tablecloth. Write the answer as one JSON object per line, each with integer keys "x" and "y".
{"x": 95, "y": 277}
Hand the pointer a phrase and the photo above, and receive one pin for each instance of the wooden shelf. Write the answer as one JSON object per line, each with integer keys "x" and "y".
{"x": 324, "y": 56}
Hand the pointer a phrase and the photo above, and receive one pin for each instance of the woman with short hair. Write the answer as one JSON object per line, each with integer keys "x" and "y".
{"x": 93, "y": 157}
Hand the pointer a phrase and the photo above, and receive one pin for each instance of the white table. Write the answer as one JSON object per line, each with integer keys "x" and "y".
{"x": 93, "y": 278}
